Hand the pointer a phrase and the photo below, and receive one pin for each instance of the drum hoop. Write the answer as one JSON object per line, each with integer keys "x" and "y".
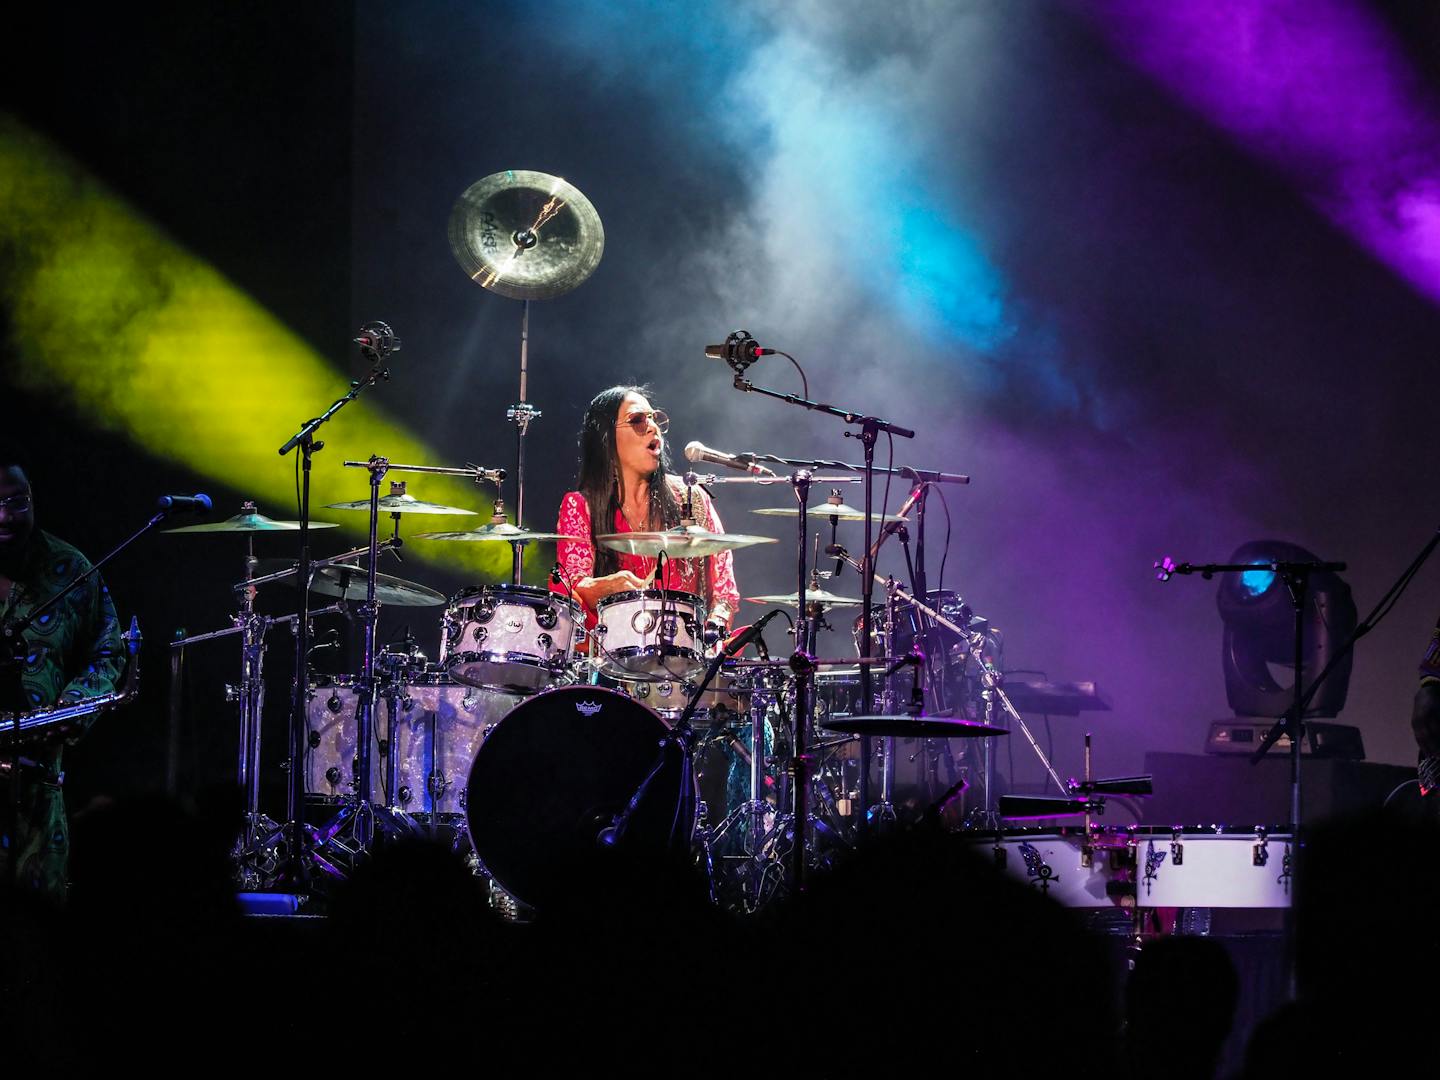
{"x": 664, "y": 595}
{"x": 524, "y": 595}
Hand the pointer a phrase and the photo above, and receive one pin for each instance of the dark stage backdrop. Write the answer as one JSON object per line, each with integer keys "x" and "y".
{"x": 982, "y": 221}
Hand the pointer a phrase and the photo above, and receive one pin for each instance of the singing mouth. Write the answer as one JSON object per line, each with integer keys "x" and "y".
{"x": 653, "y": 446}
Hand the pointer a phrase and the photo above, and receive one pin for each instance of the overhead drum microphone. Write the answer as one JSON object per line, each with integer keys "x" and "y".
{"x": 376, "y": 341}
{"x": 739, "y": 350}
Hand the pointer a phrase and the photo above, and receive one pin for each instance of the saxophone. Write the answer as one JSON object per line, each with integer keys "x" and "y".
{"x": 58, "y": 721}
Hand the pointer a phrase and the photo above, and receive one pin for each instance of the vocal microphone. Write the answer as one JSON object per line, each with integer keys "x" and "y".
{"x": 739, "y": 348}
{"x": 698, "y": 451}
{"x": 746, "y": 634}
{"x": 376, "y": 341}
{"x": 177, "y": 504}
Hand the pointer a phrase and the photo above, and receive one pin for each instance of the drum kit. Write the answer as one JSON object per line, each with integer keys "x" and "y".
{"x": 531, "y": 738}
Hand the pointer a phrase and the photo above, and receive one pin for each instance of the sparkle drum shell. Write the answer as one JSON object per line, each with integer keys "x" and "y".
{"x": 656, "y": 633}
{"x": 515, "y": 638}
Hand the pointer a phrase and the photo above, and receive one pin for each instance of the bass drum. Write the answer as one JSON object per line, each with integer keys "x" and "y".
{"x": 555, "y": 772}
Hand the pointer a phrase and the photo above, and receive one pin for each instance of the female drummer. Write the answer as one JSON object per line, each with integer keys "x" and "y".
{"x": 625, "y": 485}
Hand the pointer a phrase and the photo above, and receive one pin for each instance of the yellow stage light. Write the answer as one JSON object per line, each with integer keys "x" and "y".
{"x": 144, "y": 338}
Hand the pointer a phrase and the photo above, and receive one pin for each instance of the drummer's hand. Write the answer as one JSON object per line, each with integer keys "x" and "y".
{"x": 592, "y": 590}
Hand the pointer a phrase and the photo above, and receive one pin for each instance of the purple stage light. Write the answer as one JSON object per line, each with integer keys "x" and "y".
{"x": 1318, "y": 89}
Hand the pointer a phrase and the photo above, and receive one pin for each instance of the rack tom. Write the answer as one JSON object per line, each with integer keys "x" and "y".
{"x": 512, "y": 638}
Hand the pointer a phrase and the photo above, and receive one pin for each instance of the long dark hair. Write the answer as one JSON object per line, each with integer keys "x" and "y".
{"x": 599, "y": 476}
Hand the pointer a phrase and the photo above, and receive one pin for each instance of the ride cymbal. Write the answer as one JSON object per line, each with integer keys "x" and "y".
{"x": 508, "y": 533}
{"x": 526, "y": 235}
{"x": 684, "y": 542}
{"x": 401, "y": 504}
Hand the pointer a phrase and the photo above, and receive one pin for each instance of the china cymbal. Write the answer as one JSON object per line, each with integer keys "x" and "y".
{"x": 509, "y": 533}
{"x": 684, "y": 542}
{"x": 841, "y": 512}
{"x": 250, "y": 522}
{"x": 526, "y": 235}
{"x": 400, "y": 504}
{"x": 912, "y": 727}
{"x": 812, "y": 596}
{"x": 348, "y": 581}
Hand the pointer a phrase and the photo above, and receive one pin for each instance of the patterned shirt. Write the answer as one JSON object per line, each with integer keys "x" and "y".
{"x": 577, "y": 558}
{"x": 73, "y": 651}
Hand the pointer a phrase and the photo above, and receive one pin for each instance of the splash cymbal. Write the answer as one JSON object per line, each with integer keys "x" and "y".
{"x": 826, "y": 509}
{"x": 526, "y": 235}
{"x": 684, "y": 542}
{"x": 812, "y": 596}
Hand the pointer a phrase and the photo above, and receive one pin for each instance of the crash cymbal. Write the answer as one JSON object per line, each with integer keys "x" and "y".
{"x": 509, "y": 533}
{"x": 812, "y": 596}
{"x": 912, "y": 727}
{"x": 250, "y": 522}
{"x": 348, "y": 581}
{"x": 526, "y": 235}
{"x": 400, "y": 504}
{"x": 841, "y": 512}
{"x": 684, "y": 542}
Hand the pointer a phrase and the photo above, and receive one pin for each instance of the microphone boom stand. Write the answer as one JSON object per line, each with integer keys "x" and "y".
{"x": 305, "y": 440}
{"x": 802, "y": 662}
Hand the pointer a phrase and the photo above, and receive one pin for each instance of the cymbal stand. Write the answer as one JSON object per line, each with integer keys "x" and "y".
{"x": 249, "y": 694}
{"x": 521, "y": 414}
{"x": 358, "y": 819}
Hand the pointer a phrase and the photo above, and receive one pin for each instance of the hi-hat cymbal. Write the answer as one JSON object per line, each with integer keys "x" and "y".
{"x": 348, "y": 581}
{"x": 912, "y": 727}
{"x": 250, "y": 522}
{"x": 812, "y": 596}
{"x": 841, "y": 512}
{"x": 684, "y": 542}
{"x": 509, "y": 533}
{"x": 400, "y": 504}
{"x": 526, "y": 235}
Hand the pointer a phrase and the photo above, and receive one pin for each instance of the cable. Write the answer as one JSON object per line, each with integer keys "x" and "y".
{"x": 804, "y": 382}
{"x": 945, "y": 552}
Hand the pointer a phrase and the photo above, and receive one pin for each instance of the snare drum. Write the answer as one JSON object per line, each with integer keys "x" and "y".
{"x": 515, "y": 638}
{"x": 651, "y": 632}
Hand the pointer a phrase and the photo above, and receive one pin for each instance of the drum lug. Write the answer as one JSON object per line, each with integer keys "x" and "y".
{"x": 545, "y": 642}
{"x": 1259, "y": 855}
{"x": 1177, "y": 849}
{"x": 547, "y": 618}
{"x": 480, "y": 635}
{"x": 404, "y": 795}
